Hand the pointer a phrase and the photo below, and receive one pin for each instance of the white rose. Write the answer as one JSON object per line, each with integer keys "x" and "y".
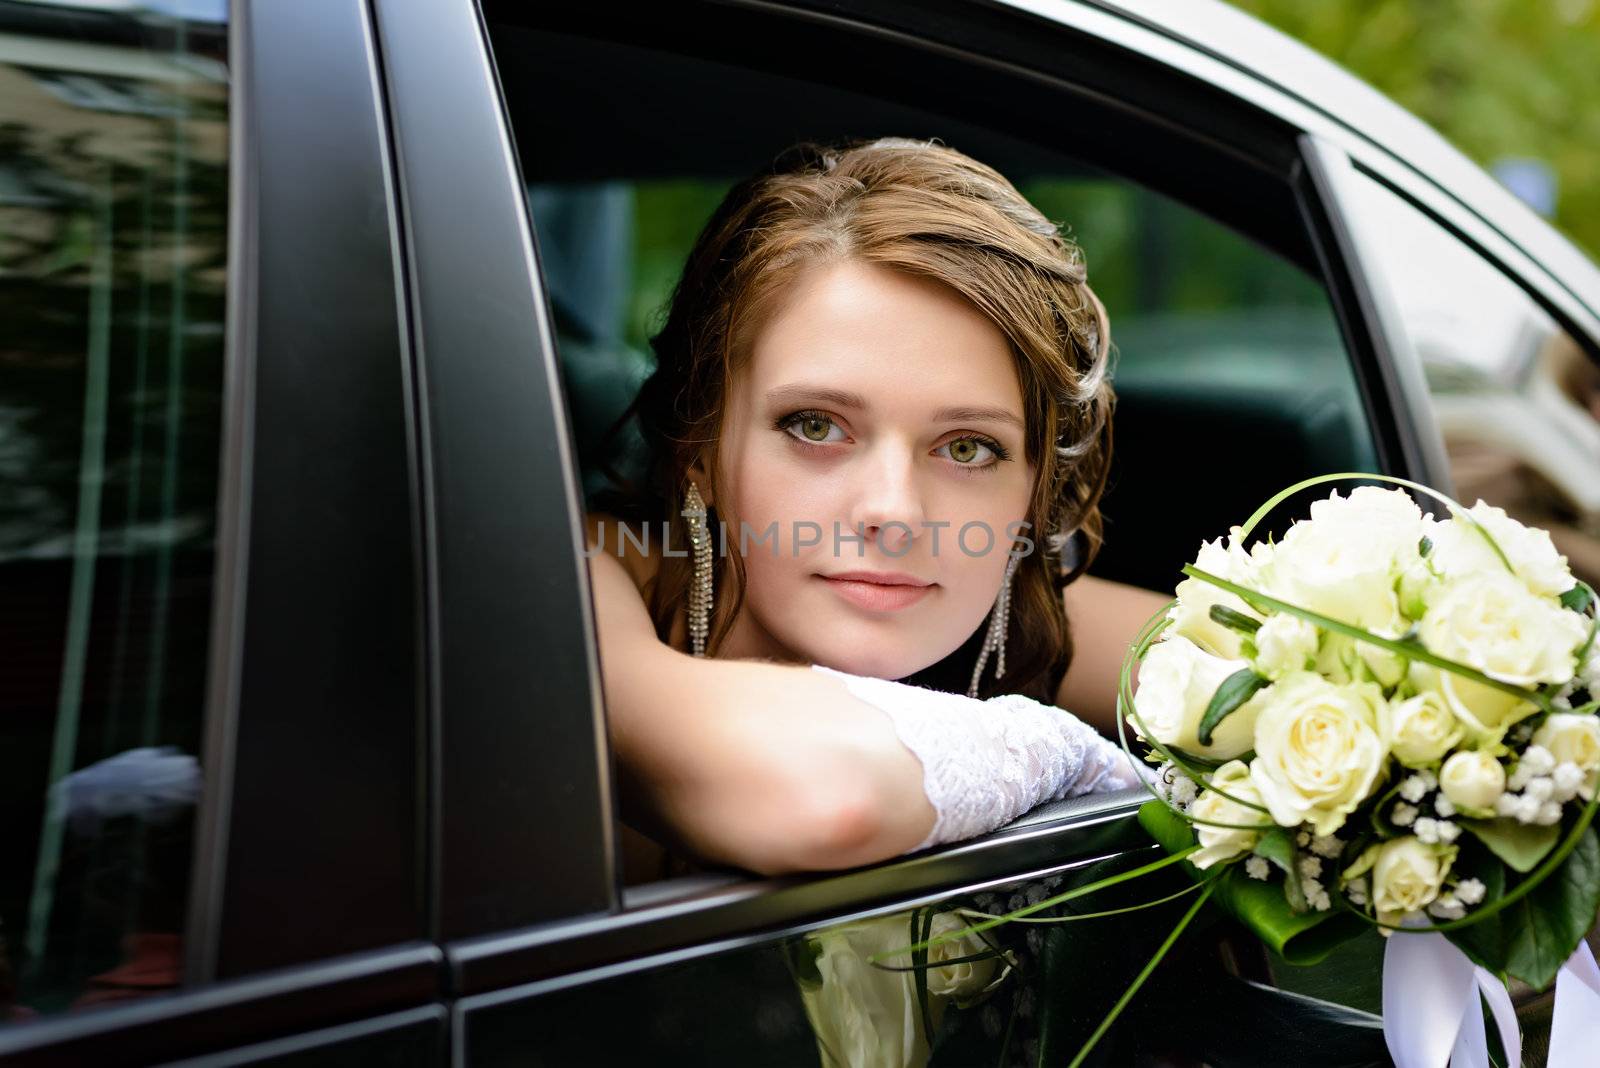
{"x": 1176, "y": 683}
{"x": 1573, "y": 737}
{"x": 968, "y": 981}
{"x": 1473, "y": 781}
{"x": 1460, "y": 548}
{"x": 1283, "y": 644}
{"x": 1420, "y": 730}
{"x": 864, "y": 1015}
{"x": 1318, "y": 750}
{"x": 1191, "y": 616}
{"x": 1407, "y": 875}
{"x": 1490, "y": 621}
{"x": 1225, "y": 843}
{"x": 1344, "y": 561}
{"x": 1483, "y": 711}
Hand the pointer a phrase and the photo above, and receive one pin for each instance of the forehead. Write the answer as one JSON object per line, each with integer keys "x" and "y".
{"x": 887, "y": 333}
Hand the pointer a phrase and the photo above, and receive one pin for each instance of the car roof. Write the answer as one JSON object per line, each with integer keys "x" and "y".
{"x": 1228, "y": 35}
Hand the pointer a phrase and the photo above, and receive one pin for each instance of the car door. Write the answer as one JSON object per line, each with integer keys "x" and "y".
{"x": 216, "y": 728}
{"x": 1244, "y": 345}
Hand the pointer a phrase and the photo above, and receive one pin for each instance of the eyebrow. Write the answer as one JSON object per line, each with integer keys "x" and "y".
{"x": 797, "y": 392}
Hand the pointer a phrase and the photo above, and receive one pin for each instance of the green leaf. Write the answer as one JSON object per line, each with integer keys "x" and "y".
{"x": 1277, "y": 846}
{"x": 1425, "y": 546}
{"x": 1520, "y": 845}
{"x": 1577, "y": 598}
{"x": 1299, "y": 938}
{"x": 1234, "y": 619}
{"x": 1533, "y": 936}
{"x": 1235, "y": 690}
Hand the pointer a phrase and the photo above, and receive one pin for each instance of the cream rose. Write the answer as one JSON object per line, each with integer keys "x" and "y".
{"x": 1191, "y": 616}
{"x": 865, "y": 1016}
{"x": 1473, "y": 781}
{"x": 1283, "y": 644}
{"x": 1573, "y": 737}
{"x": 1420, "y": 730}
{"x": 1176, "y": 683}
{"x": 1460, "y": 548}
{"x": 1484, "y": 712}
{"x": 967, "y": 982}
{"x": 1318, "y": 750}
{"x": 1224, "y": 843}
{"x": 1345, "y": 560}
{"x": 1490, "y": 621}
{"x": 1407, "y": 875}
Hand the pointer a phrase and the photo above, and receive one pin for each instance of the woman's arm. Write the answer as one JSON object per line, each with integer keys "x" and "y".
{"x": 764, "y": 766}
{"x": 1105, "y": 617}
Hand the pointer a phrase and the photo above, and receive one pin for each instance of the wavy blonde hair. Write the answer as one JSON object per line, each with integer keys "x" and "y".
{"x": 928, "y": 210}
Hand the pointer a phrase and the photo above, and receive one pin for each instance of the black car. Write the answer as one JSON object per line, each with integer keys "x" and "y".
{"x": 312, "y": 316}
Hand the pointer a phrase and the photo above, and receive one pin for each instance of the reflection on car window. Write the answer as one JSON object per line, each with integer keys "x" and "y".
{"x": 113, "y": 185}
{"x": 1516, "y": 398}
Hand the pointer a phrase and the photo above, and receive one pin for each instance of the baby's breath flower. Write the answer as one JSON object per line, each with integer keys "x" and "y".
{"x": 1566, "y": 779}
{"x": 1403, "y": 815}
{"x": 1256, "y": 867}
{"x": 1303, "y": 839}
{"x": 1316, "y": 895}
{"x": 1310, "y": 868}
{"x": 1541, "y": 787}
{"x": 1327, "y": 846}
{"x": 1538, "y": 760}
{"x": 1549, "y": 814}
{"x": 1470, "y": 891}
{"x": 1444, "y": 806}
{"x": 1446, "y": 907}
{"x": 1413, "y": 788}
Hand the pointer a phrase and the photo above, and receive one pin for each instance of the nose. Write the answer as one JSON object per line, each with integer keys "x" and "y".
{"x": 888, "y": 507}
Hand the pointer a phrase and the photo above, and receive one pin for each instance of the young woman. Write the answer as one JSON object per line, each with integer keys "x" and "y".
{"x": 880, "y": 412}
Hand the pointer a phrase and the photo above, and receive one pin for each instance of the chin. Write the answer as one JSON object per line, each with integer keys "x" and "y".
{"x": 875, "y": 656}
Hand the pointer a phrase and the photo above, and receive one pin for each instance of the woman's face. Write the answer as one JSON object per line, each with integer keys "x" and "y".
{"x": 882, "y": 403}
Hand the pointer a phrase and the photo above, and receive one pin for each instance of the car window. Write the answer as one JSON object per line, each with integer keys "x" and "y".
{"x": 1225, "y": 347}
{"x": 113, "y": 206}
{"x": 1516, "y": 397}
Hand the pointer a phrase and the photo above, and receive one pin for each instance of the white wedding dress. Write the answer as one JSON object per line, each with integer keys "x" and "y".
{"x": 987, "y": 762}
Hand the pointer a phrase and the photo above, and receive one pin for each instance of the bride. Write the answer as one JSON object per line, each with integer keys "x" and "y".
{"x": 881, "y": 411}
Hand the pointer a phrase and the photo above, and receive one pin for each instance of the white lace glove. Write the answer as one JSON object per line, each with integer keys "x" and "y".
{"x": 984, "y": 763}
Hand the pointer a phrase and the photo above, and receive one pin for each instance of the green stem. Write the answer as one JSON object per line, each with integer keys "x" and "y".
{"x": 1191, "y": 888}
{"x": 1139, "y": 980}
{"x": 1081, "y": 891}
{"x": 1407, "y": 649}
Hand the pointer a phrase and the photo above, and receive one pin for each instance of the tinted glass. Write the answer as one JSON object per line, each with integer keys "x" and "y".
{"x": 113, "y": 205}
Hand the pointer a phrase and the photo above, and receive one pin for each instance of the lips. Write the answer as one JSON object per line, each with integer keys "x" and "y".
{"x": 878, "y": 591}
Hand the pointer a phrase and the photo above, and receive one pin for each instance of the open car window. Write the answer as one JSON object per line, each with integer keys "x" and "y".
{"x": 1227, "y": 344}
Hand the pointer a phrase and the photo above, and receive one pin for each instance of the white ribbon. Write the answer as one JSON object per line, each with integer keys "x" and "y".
{"x": 1431, "y": 1013}
{"x": 1433, "y": 1018}
{"x": 1575, "y": 1027}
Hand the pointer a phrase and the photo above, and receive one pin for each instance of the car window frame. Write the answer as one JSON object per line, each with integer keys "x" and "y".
{"x": 302, "y": 73}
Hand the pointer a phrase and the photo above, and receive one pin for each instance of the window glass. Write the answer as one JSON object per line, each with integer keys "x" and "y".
{"x": 1516, "y": 398}
{"x": 113, "y": 205}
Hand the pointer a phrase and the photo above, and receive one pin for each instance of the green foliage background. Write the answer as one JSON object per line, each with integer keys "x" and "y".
{"x": 1496, "y": 77}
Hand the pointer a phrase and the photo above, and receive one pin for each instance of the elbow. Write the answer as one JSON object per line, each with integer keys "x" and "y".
{"x": 840, "y": 826}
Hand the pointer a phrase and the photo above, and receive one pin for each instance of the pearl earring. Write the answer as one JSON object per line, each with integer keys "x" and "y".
{"x": 999, "y": 623}
{"x": 694, "y": 509}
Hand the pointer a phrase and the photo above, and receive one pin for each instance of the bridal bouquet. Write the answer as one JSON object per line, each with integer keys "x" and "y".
{"x": 1389, "y": 720}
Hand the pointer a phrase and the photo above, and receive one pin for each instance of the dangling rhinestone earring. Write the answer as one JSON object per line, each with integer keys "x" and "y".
{"x": 999, "y": 623}
{"x": 694, "y": 509}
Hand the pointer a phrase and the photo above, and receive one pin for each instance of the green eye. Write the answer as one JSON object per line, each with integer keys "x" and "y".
{"x": 815, "y": 428}
{"x": 964, "y": 450}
